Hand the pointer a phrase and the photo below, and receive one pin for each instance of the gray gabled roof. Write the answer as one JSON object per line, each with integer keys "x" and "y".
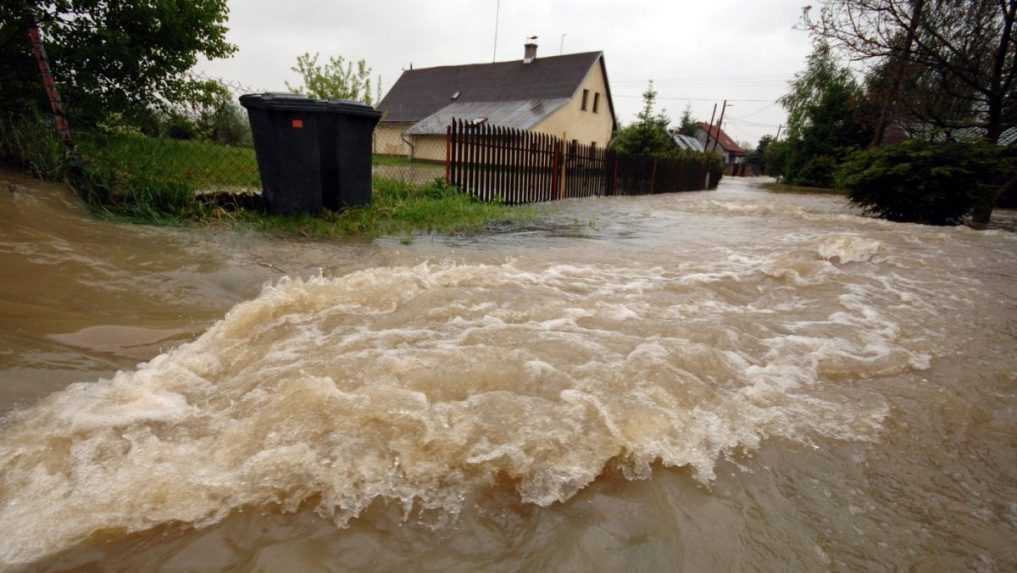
{"x": 521, "y": 114}
{"x": 421, "y": 92}
{"x": 1008, "y": 137}
{"x": 687, "y": 142}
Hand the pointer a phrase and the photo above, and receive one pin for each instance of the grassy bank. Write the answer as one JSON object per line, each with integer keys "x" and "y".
{"x": 130, "y": 177}
{"x": 398, "y": 208}
{"x": 784, "y": 188}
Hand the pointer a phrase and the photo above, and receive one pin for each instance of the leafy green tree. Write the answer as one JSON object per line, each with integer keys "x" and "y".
{"x": 775, "y": 158}
{"x": 648, "y": 135}
{"x": 123, "y": 57}
{"x": 825, "y": 108}
{"x": 335, "y": 79}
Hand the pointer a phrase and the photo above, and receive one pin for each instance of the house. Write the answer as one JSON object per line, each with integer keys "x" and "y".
{"x": 722, "y": 143}
{"x": 567, "y": 96}
{"x": 686, "y": 142}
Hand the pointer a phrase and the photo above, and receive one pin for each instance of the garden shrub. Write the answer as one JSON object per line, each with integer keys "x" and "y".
{"x": 817, "y": 171}
{"x": 933, "y": 183}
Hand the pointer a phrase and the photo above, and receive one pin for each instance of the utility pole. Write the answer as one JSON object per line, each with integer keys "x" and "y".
{"x": 497, "y": 15}
{"x": 561, "y": 48}
{"x": 779, "y": 127}
{"x": 709, "y": 128}
{"x": 720, "y": 122}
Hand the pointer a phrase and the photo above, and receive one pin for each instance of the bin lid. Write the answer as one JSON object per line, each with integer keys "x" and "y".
{"x": 299, "y": 102}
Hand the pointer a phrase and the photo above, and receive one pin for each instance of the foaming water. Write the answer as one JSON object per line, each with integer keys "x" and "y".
{"x": 490, "y": 384}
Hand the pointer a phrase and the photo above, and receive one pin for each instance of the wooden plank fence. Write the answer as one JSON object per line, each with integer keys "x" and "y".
{"x": 515, "y": 166}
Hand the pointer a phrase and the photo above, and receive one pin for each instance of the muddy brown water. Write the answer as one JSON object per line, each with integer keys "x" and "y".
{"x": 732, "y": 380}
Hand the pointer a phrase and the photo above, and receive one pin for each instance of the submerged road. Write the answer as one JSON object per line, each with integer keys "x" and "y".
{"x": 730, "y": 380}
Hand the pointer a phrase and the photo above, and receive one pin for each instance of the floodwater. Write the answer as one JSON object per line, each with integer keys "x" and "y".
{"x": 719, "y": 381}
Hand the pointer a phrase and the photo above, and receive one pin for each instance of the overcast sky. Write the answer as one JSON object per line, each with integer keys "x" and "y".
{"x": 697, "y": 52}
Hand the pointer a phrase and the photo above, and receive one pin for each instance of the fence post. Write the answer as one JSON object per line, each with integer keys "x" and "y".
{"x": 614, "y": 178}
{"x": 564, "y": 170}
{"x": 448, "y": 154}
{"x": 653, "y": 177}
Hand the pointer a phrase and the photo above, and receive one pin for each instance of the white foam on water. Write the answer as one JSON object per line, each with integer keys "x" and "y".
{"x": 421, "y": 384}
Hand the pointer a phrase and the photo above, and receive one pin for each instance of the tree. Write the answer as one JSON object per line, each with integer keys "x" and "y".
{"x": 336, "y": 79}
{"x": 961, "y": 51}
{"x": 825, "y": 105}
{"x": 649, "y": 134}
{"x": 687, "y": 125}
{"x": 123, "y": 57}
{"x": 756, "y": 157}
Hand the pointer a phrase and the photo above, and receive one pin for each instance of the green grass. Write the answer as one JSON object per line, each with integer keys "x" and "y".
{"x": 133, "y": 178}
{"x": 206, "y": 166}
{"x": 397, "y": 208}
{"x": 202, "y": 165}
{"x": 784, "y": 188}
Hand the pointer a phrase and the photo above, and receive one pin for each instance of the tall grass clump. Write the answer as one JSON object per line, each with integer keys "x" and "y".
{"x": 29, "y": 142}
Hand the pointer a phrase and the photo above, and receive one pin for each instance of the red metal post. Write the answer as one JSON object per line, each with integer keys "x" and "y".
{"x": 35, "y": 37}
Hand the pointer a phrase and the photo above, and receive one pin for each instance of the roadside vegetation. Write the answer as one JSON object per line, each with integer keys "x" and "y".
{"x": 650, "y": 136}
{"x": 398, "y": 208}
{"x": 135, "y": 178}
{"x": 918, "y": 136}
{"x": 156, "y": 144}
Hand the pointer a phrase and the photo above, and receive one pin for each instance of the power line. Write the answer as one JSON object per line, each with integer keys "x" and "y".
{"x": 763, "y": 77}
{"x": 750, "y": 123}
{"x": 747, "y": 100}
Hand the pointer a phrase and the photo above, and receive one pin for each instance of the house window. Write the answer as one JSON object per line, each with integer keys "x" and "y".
{"x": 596, "y": 102}
{"x": 586, "y": 96}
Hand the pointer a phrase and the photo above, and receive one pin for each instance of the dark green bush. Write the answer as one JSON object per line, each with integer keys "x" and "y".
{"x": 775, "y": 158}
{"x": 179, "y": 126}
{"x": 933, "y": 183}
{"x": 817, "y": 171}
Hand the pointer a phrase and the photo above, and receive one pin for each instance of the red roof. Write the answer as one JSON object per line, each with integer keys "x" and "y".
{"x": 724, "y": 140}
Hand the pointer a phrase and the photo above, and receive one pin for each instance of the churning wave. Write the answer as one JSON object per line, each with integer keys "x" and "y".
{"x": 422, "y": 384}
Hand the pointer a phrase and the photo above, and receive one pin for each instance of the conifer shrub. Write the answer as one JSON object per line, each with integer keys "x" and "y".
{"x": 931, "y": 183}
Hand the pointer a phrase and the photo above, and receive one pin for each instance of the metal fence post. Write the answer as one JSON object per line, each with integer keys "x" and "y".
{"x": 35, "y": 37}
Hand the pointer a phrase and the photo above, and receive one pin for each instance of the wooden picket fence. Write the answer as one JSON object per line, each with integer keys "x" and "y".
{"x": 509, "y": 165}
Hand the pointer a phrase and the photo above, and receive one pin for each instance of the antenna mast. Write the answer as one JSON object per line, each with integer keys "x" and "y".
{"x": 497, "y": 15}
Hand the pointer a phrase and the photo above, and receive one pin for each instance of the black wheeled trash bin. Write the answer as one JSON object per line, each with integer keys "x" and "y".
{"x": 311, "y": 153}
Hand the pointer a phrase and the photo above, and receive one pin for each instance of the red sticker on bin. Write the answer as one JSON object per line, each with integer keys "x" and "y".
{"x": 298, "y": 123}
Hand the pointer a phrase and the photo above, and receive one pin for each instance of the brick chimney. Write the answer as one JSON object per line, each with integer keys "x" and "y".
{"x": 530, "y": 50}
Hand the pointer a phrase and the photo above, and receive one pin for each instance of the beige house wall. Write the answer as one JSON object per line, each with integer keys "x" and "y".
{"x": 388, "y": 140}
{"x": 430, "y": 147}
{"x": 572, "y": 122}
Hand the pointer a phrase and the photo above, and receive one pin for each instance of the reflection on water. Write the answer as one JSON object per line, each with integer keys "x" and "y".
{"x": 723, "y": 380}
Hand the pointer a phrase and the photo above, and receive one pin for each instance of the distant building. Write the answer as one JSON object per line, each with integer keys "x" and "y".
{"x": 686, "y": 142}
{"x": 712, "y": 137}
{"x": 566, "y": 96}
